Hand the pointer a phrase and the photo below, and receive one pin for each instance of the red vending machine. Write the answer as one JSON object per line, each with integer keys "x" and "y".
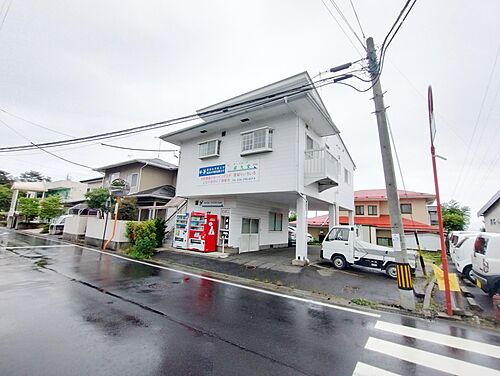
{"x": 202, "y": 232}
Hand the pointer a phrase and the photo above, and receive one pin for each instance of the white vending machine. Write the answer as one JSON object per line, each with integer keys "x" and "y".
{"x": 181, "y": 231}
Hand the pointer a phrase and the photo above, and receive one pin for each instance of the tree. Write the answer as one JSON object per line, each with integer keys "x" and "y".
{"x": 51, "y": 207}
{"x": 29, "y": 207}
{"x": 455, "y": 217}
{"x": 128, "y": 209}
{"x": 33, "y": 176}
{"x": 292, "y": 216}
{"x": 5, "y": 178}
{"x": 96, "y": 199}
{"x": 5, "y": 197}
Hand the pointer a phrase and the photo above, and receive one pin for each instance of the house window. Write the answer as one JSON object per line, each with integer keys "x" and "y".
{"x": 372, "y": 209}
{"x": 347, "y": 177}
{"x": 360, "y": 210}
{"x": 386, "y": 242}
{"x": 256, "y": 141}
{"x": 208, "y": 149}
{"x": 132, "y": 180}
{"x": 405, "y": 208}
{"x": 275, "y": 221}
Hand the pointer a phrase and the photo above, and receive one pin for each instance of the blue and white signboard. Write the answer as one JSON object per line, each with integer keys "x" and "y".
{"x": 233, "y": 172}
{"x": 212, "y": 170}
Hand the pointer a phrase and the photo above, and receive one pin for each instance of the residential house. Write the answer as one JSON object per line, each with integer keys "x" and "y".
{"x": 251, "y": 164}
{"x": 491, "y": 213}
{"x": 152, "y": 182}
{"x": 93, "y": 183}
{"x": 372, "y": 217}
{"x": 70, "y": 192}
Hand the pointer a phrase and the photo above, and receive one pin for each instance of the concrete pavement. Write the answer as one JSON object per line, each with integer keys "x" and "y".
{"x": 68, "y": 310}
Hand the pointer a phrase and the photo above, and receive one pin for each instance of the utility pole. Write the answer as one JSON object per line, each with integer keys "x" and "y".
{"x": 405, "y": 285}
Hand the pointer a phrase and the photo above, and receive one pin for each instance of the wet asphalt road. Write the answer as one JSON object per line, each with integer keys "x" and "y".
{"x": 67, "y": 310}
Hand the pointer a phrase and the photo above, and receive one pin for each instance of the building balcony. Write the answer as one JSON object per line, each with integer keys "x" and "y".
{"x": 321, "y": 167}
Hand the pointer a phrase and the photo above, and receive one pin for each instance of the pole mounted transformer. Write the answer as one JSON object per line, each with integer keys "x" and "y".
{"x": 405, "y": 283}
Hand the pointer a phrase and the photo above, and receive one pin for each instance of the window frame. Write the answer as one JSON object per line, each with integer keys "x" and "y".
{"x": 268, "y": 141}
{"x": 371, "y": 207}
{"x": 129, "y": 179}
{"x": 211, "y": 155}
{"x": 362, "y": 211}
{"x": 406, "y": 204}
{"x": 273, "y": 222}
{"x": 347, "y": 176}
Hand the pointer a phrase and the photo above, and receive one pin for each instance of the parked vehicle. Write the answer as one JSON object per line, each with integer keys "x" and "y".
{"x": 292, "y": 234}
{"x": 462, "y": 255}
{"x": 56, "y": 227}
{"x": 486, "y": 262}
{"x": 344, "y": 248}
{"x": 456, "y": 237}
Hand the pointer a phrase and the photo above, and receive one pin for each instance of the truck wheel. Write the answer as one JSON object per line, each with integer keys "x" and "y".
{"x": 467, "y": 273}
{"x": 391, "y": 271}
{"x": 339, "y": 262}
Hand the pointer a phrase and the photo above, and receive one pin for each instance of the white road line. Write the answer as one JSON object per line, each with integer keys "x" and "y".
{"x": 40, "y": 246}
{"x": 363, "y": 369}
{"x": 442, "y": 339}
{"x": 291, "y": 297}
{"x": 427, "y": 359}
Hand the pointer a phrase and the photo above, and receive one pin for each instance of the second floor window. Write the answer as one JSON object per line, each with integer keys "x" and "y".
{"x": 132, "y": 180}
{"x": 372, "y": 209}
{"x": 256, "y": 141}
{"x": 406, "y": 209}
{"x": 347, "y": 176}
{"x": 360, "y": 210}
{"x": 208, "y": 149}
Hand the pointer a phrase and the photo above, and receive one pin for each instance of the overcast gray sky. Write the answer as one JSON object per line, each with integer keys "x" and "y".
{"x": 84, "y": 67}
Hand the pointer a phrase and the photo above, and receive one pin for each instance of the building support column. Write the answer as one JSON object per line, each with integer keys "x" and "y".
{"x": 301, "y": 233}
{"x": 332, "y": 216}
{"x": 351, "y": 218}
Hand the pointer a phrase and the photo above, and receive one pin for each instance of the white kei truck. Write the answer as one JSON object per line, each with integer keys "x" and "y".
{"x": 343, "y": 248}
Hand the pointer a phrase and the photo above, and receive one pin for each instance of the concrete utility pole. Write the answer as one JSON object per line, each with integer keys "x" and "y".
{"x": 405, "y": 285}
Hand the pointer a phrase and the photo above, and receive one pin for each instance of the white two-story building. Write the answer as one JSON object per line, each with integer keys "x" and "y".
{"x": 272, "y": 150}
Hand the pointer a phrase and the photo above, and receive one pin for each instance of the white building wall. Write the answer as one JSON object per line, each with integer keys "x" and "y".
{"x": 277, "y": 169}
{"x": 492, "y": 218}
{"x": 244, "y": 208}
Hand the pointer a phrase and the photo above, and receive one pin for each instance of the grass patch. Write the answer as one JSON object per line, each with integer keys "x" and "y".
{"x": 432, "y": 257}
{"x": 364, "y": 302}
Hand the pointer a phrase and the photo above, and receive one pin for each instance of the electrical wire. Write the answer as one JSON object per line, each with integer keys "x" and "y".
{"x": 341, "y": 28}
{"x": 357, "y": 19}
{"x": 472, "y": 139}
{"x": 46, "y": 151}
{"x": 5, "y": 14}
{"x": 218, "y": 111}
{"x": 339, "y": 11}
{"x": 138, "y": 149}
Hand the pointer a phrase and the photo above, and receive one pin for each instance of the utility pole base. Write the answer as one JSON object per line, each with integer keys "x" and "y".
{"x": 407, "y": 299}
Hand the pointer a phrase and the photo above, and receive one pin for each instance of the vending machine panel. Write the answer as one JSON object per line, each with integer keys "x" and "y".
{"x": 181, "y": 231}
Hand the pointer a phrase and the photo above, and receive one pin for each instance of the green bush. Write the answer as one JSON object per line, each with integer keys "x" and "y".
{"x": 45, "y": 228}
{"x": 160, "y": 225}
{"x": 142, "y": 237}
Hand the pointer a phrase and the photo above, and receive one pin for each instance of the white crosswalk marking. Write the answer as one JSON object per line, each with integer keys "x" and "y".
{"x": 441, "y": 339}
{"x": 427, "y": 359}
{"x": 363, "y": 369}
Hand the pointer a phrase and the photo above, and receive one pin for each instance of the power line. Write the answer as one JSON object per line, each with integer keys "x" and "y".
{"x": 241, "y": 106}
{"x": 46, "y": 151}
{"x": 138, "y": 149}
{"x": 471, "y": 140}
{"x": 357, "y": 19}
{"x": 5, "y": 14}
{"x": 339, "y": 11}
{"x": 341, "y": 28}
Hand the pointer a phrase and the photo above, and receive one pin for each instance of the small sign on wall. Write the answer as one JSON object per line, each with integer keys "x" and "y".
{"x": 212, "y": 203}
{"x": 233, "y": 172}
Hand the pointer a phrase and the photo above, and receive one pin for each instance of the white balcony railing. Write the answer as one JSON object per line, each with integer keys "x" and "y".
{"x": 322, "y": 167}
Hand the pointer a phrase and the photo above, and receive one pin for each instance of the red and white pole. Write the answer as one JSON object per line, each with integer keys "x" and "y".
{"x": 444, "y": 259}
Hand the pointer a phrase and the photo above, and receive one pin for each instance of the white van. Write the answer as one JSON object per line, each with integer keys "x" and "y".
{"x": 486, "y": 262}
{"x": 461, "y": 255}
{"x": 343, "y": 247}
{"x": 456, "y": 237}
